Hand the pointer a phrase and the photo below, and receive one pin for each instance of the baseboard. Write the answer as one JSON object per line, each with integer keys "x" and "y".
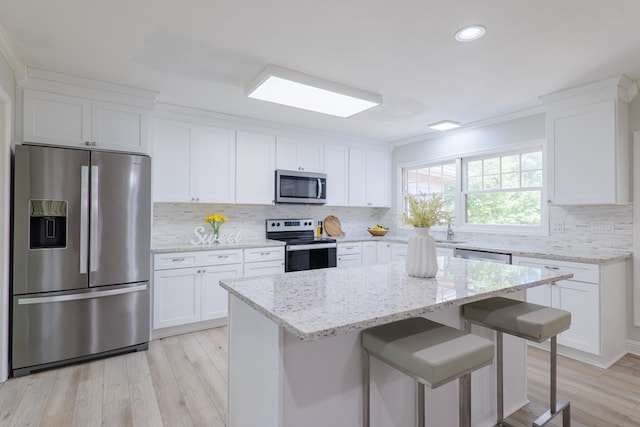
{"x": 190, "y": 327}
{"x": 633, "y": 347}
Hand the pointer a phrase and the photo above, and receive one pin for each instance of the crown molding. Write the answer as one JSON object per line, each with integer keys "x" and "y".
{"x": 11, "y": 55}
{"x": 467, "y": 126}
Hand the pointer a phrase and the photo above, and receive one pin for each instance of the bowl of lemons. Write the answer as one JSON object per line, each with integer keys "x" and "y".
{"x": 378, "y": 230}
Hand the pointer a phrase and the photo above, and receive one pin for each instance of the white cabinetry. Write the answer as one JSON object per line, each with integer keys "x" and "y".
{"x": 588, "y": 150}
{"x": 255, "y": 168}
{"x": 370, "y": 253}
{"x": 385, "y": 252}
{"x": 186, "y": 289}
{"x": 299, "y": 155}
{"x": 369, "y": 178}
{"x": 261, "y": 261}
{"x": 336, "y": 166}
{"x": 399, "y": 251}
{"x": 59, "y": 119}
{"x": 595, "y": 297}
{"x": 349, "y": 254}
{"x": 189, "y": 159}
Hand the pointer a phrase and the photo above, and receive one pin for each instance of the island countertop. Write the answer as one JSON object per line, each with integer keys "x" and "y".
{"x": 321, "y": 303}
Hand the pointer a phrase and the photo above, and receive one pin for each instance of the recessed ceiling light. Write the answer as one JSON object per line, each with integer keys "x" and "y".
{"x": 295, "y": 89}
{"x": 444, "y": 125}
{"x": 470, "y": 33}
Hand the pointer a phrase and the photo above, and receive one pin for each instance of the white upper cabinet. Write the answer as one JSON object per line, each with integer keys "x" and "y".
{"x": 57, "y": 119}
{"x": 299, "y": 155}
{"x": 588, "y": 149}
{"x": 193, "y": 163}
{"x": 369, "y": 173}
{"x": 336, "y": 166}
{"x": 255, "y": 168}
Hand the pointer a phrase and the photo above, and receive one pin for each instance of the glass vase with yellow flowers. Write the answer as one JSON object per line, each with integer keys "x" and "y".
{"x": 216, "y": 220}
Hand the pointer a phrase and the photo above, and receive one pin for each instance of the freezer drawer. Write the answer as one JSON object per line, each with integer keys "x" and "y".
{"x": 50, "y": 328}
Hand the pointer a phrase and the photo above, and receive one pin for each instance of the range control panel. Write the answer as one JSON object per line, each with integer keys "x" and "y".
{"x": 277, "y": 225}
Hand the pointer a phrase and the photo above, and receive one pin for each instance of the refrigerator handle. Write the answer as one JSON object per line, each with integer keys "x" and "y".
{"x": 81, "y": 296}
{"x": 95, "y": 220}
{"x": 84, "y": 217}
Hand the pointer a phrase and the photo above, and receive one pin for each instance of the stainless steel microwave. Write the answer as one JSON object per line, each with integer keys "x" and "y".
{"x": 301, "y": 187}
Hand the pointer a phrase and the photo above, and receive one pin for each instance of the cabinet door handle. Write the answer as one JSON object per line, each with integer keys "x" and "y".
{"x": 264, "y": 253}
{"x": 88, "y": 143}
{"x": 223, "y": 256}
{"x": 177, "y": 260}
{"x": 549, "y": 267}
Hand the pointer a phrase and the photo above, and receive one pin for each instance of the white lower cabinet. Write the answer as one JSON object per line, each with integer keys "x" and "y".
{"x": 385, "y": 251}
{"x": 349, "y": 254}
{"x": 370, "y": 253}
{"x": 176, "y": 297}
{"x": 186, "y": 286}
{"x": 399, "y": 251}
{"x": 262, "y": 261}
{"x": 595, "y": 297}
{"x": 215, "y": 303}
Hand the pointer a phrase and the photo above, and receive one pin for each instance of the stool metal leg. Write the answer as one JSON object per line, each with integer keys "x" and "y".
{"x": 420, "y": 405}
{"x": 500, "y": 376}
{"x": 465, "y": 400}
{"x": 366, "y": 390}
{"x": 554, "y": 406}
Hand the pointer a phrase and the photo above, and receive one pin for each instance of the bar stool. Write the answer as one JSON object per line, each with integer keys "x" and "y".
{"x": 525, "y": 320}
{"x": 431, "y": 353}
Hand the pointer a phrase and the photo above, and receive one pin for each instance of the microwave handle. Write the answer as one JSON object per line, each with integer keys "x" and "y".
{"x": 319, "y": 188}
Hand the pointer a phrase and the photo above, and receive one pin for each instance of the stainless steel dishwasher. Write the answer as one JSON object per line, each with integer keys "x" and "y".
{"x": 482, "y": 255}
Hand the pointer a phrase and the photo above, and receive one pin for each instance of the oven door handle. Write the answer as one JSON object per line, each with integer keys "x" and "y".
{"x": 294, "y": 248}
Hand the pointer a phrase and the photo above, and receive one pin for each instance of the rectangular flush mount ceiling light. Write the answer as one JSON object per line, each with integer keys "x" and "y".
{"x": 288, "y": 87}
{"x": 444, "y": 125}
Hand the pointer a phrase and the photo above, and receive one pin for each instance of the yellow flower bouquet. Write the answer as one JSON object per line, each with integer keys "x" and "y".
{"x": 216, "y": 221}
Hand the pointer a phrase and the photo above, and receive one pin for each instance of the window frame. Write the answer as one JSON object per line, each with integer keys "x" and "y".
{"x": 460, "y": 192}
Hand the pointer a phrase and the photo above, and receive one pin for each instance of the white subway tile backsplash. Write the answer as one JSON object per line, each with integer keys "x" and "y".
{"x": 173, "y": 223}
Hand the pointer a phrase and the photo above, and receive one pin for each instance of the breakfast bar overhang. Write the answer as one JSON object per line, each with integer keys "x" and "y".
{"x": 294, "y": 343}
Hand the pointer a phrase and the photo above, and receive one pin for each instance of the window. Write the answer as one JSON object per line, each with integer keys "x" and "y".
{"x": 504, "y": 190}
{"x": 438, "y": 179}
{"x": 499, "y": 191}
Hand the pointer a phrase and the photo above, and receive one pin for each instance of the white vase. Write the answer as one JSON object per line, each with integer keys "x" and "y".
{"x": 422, "y": 260}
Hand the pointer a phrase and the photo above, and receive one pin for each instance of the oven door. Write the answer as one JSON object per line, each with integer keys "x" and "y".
{"x": 310, "y": 257}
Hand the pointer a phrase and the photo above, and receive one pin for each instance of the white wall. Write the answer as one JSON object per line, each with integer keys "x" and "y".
{"x": 7, "y": 91}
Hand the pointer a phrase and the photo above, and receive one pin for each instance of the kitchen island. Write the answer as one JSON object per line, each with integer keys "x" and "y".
{"x": 294, "y": 343}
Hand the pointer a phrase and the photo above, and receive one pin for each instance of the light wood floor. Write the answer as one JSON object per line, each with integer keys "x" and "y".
{"x": 182, "y": 381}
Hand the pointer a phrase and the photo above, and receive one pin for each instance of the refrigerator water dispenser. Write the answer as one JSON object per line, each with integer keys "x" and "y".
{"x": 47, "y": 224}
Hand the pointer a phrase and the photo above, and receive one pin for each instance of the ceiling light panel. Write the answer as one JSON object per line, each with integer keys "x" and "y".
{"x": 295, "y": 89}
{"x": 444, "y": 125}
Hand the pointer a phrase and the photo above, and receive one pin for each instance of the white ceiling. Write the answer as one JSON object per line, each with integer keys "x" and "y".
{"x": 202, "y": 53}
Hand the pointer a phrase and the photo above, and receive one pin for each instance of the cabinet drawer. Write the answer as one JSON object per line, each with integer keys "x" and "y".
{"x": 349, "y": 248}
{"x": 589, "y": 273}
{"x": 220, "y": 257}
{"x": 264, "y": 254}
{"x": 175, "y": 260}
{"x": 253, "y": 269}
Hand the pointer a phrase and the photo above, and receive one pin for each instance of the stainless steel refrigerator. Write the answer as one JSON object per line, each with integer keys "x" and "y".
{"x": 81, "y": 255}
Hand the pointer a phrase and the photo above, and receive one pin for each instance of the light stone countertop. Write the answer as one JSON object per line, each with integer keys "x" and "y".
{"x": 243, "y": 244}
{"x": 321, "y": 303}
{"x": 575, "y": 254}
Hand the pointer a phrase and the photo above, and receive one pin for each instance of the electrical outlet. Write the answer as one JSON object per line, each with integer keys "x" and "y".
{"x": 556, "y": 226}
{"x": 601, "y": 227}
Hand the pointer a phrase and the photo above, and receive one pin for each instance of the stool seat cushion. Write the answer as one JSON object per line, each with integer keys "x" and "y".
{"x": 531, "y": 321}
{"x": 428, "y": 350}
